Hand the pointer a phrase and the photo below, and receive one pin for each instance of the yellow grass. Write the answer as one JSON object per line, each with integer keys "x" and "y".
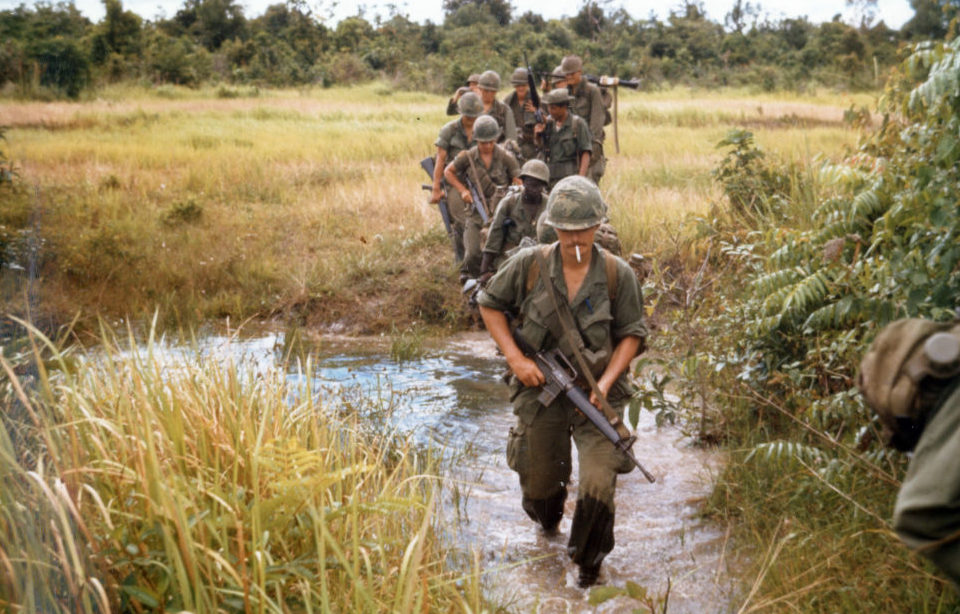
{"x": 305, "y": 198}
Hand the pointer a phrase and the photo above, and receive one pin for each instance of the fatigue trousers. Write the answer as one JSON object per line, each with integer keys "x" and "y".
{"x": 538, "y": 449}
{"x": 457, "y": 219}
{"x": 598, "y": 163}
{"x": 472, "y": 243}
{"x": 467, "y": 227}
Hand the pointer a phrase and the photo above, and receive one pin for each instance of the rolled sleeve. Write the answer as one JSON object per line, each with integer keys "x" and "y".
{"x": 628, "y": 305}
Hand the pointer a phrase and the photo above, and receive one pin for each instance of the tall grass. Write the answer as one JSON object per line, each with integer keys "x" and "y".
{"x": 133, "y": 482}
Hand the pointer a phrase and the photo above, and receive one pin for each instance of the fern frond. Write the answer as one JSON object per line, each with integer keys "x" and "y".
{"x": 780, "y": 451}
{"x": 843, "y": 176}
{"x": 867, "y": 206}
{"x": 808, "y": 294}
{"x": 771, "y": 282}
{"x": 943, "y": 80}
{"x": 840, "y": 228}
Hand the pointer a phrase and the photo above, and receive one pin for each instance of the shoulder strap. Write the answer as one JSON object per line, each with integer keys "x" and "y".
{"x": 533, "y": 273}
{"x": 610, "y": 264}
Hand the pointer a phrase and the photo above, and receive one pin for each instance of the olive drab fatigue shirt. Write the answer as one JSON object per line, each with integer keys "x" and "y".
{"x": 505, "y": 119}
{"x": 588, "y": 104}
{"x": 564, "y": 146}
{"x": 453, "y": 139}
{"x": 502, "y": 171}
{"x": 512, "y": 221}
{"x": 602, "y": 324}
{"x": 524, "y": 119}
{"x": 927, "y": 512}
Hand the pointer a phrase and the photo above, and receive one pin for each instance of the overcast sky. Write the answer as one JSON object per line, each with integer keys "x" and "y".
{"x": 894, "y": 12}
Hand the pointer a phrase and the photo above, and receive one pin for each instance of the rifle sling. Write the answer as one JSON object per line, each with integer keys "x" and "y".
{"x": 569, "y": 330}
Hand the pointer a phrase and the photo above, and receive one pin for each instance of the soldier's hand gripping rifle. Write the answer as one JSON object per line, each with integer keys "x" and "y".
{"x": 560, "y": 375}
{"x": 428, "y": 165}
{"x": 614, "y": 83}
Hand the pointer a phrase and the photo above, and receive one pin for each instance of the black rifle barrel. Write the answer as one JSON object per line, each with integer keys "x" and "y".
{"x": 606, "y": 81}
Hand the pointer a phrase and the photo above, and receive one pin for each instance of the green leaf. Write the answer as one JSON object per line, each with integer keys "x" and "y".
{"x": 635, "y": 591}
{"x": 602, "y": 594}
{"x": 144, "y": 595}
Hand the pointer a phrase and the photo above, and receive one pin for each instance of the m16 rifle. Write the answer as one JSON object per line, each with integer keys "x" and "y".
{"x": 560, "y": 376}
{"x": 479, "y": 203}
{"x": 614, "y": 83}
{"x": 429, "y": 165}
{"x": 532, "y": 85}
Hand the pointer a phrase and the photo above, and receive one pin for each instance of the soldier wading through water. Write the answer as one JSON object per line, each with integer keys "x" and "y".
{"x": 597, "y": 295}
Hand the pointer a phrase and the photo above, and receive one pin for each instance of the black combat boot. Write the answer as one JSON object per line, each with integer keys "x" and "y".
{"x": 588, "y": 575}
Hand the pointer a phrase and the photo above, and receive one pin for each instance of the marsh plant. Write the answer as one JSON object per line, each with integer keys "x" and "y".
{"x": 130, "y": 482}
{"x": 805, "y": 287}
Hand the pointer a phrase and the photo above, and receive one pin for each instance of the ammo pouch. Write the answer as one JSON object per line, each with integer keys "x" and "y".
{"x": 905, "y": 372}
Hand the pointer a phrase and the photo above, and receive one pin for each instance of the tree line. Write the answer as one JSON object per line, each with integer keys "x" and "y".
{"x": 51, "y": 50}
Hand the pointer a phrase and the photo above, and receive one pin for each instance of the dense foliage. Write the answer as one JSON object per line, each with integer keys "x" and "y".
{"x": 828, "y": 257}
{"x": 53, "y": 50}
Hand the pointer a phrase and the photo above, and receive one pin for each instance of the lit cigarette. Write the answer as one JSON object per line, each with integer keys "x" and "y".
{"x": 577, "y": 247}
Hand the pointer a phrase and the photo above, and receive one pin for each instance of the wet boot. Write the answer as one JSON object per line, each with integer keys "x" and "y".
{"x": 591, "y": 538}
{"x": 548, "y": 512}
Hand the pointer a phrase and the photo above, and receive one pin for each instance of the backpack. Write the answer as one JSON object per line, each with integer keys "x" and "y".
{"x": 904, "y": 374}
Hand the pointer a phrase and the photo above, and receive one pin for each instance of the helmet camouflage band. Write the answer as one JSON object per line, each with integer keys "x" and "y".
{"x": 486, "y": 129}
{"x": 519, "y": 77}
{"x": 470, "y": 105}
{"x": 536, "y": 169}
{"x": 557, "y": 96}
{"x": 489, "y": 80}
{"x": 571, "y": 64}
{"x": 575, "y": 204}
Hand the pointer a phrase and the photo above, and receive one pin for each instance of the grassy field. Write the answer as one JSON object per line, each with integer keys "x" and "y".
{"x": 307, "y": 203}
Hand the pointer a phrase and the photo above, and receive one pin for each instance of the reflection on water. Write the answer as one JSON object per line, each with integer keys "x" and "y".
{"x": 455, "y": 398}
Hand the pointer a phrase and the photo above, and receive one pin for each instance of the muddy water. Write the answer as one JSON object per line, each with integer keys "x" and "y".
{"x": 454, "y": 397}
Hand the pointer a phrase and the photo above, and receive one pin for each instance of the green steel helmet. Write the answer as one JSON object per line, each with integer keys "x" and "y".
{"x": 545, "y": 232}
{"x": 571, "y": 64}
{"x": 486, "y": 129}
{"x": 574, "y": 204}
{"x": 470, "y": 105}
{"x": 557, "y": 75}
{"x": 557, "y": 96}
{"x": 536, "y": 169}
{"x": 519, "y": 77}
{"x": 473, "y": 78}
{"x": 489, "y": 80}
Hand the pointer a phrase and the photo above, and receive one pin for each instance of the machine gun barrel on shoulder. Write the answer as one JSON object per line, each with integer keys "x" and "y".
{"x": 607, "y": 81}
{"x": 560, "y": 378}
